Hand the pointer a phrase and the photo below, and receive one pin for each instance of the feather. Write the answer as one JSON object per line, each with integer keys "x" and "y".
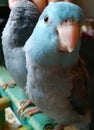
{"x": 57, "y": 80}
{"x": 20, "y": 24}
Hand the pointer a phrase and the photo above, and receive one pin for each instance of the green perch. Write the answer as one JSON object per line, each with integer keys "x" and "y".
{"x": 12, "y": 96}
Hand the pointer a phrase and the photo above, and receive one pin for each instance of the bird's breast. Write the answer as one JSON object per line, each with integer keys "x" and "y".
{"x": 51, "y": 88}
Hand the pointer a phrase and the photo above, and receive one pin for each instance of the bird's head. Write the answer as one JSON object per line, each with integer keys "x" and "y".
{"x": 56, "y": 37}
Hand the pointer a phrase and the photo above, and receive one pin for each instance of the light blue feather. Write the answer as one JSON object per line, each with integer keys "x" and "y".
{"x": 20, "y": 24}
{"x": 54, "y": 76}
{"x": 43, "y": 50}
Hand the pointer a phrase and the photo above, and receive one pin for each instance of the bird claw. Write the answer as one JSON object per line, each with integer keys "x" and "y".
{"x": 9, "y": 84}
{"x": 24, "y": 104}
{"x": 30, "y": 111}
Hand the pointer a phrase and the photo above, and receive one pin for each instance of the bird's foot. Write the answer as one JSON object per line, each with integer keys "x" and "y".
{"x": 59, "y": 127}
{"x": 30, "y": 111}
{"x": 9, "y": 84}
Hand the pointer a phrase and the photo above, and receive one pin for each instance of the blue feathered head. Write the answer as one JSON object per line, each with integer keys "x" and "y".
{"x": 56, "y": 38}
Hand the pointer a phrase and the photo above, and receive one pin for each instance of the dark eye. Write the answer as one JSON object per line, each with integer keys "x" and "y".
{"x": 46, "y": 19}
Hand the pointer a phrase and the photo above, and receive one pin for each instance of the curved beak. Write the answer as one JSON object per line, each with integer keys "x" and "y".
{"x": 68, "y": 33}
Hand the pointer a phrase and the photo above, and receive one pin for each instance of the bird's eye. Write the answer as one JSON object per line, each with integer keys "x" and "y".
{"x": 46, "y": 19}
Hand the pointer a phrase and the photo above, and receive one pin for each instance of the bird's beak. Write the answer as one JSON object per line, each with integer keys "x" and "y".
{"x": 68, "y": 33}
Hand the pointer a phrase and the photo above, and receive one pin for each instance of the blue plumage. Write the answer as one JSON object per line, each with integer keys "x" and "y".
{"x": 47, "y": 49}
{"x": 20, "y": 24}
{"x": 57, "y": 80}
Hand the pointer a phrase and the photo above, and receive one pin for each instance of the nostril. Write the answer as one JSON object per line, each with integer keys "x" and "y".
{"x": 66, "y": 21}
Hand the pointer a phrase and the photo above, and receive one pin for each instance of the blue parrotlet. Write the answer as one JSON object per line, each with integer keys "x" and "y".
{"x": 57, "y": 80}
{"x": 20, "y": 24}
